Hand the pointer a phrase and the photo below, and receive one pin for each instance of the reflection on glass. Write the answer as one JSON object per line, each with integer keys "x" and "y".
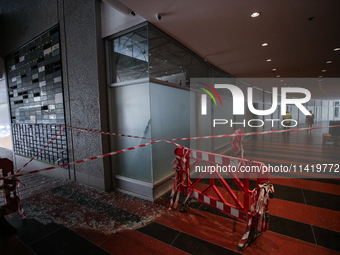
{"x": 172, "y": 62}
{"x": 130, "y": 56}
{"x": 148, "y": 52}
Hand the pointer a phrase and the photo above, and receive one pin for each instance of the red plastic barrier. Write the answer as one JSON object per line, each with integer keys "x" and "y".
{"x": 9, "y": 188}
{"x": 256, "y": 215}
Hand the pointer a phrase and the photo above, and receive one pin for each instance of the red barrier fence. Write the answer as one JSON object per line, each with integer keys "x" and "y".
{"x": 256, "y": 216}
{"x": 9, "y": 189}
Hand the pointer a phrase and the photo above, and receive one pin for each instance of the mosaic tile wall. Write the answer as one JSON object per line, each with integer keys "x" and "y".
{"x": 36, "y": 98}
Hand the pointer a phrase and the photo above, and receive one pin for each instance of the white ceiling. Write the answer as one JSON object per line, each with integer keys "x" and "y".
{"x": 222, "y": 32}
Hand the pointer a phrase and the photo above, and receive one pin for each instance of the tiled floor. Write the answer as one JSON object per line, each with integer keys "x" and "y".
{"x": 68, "y": 218}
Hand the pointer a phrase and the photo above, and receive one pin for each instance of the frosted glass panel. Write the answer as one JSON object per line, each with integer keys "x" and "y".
{"x": 170, "y": 118}
{"x": 131, "y": 116}
{"x": 205, "y": 128}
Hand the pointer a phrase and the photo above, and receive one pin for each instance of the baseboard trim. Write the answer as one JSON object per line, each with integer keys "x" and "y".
{"x": 144, "y": 190}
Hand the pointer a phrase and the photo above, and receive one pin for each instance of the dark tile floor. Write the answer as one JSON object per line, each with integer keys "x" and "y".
{"x": 64, "y": 217}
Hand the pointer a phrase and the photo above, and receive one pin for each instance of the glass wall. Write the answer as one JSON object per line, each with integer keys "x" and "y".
{"x": 131, "y": 112}
{"x": 148, "y": 52}
{"x": 171, "y": 62}
{"x": 169, "y": 108}
{"x": 129, "y": 56}
{"x": 167, "y": 102}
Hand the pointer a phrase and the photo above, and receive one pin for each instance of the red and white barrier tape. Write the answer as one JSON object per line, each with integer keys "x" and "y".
{"x": 105, "y": 133}
{"x": 200, "y": 137}
{"x": 80, "y": 161}
{"x": 248, "y": 134}
{"x": 40, "y": 151}
{"x": 122, "y": 135}
{"x": 142, "y": 145}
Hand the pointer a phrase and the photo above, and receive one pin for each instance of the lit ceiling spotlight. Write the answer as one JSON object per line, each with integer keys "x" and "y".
{"x": 328, "y": 62}
{"x": 336, "y": 49}
{"x": 273, "y": 69}
{"x": 320, "y": 76}
{"x": 278, "y": 76}
{"x": 324, "y": 70}
{"x": 255, "y": 14}
{"x": 264, "y": 44}
{"x": 268, "y": 60}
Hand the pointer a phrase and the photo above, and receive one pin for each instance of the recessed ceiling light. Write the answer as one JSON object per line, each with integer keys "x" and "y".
{"x": 336, "y": 49}
{"x": 320, "y": 76}
{"x": 323, "y": 70}
{"x": 255, "y": 14}
{"x": 268, "y": 60}
{"x": 278, "y": 76}
{"x": 273, "y": 69}
{"x": 328, "y": 62}
{"x": 264, "y": 44}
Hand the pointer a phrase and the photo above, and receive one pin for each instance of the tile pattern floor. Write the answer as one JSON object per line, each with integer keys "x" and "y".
{"x": 68, "y": 218}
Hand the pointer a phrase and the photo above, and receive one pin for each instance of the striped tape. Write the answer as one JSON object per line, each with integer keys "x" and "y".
{"x": 248, "y": 134}
{"x": 200, "y": 137}
{"x": 80, "y": 161}
{"x": 230, "y": 210}
{"x": 40, "y": 151}
{"x": 139, "y": 146}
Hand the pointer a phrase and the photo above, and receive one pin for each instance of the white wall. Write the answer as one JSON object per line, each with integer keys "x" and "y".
{"x": 114, "y": 21}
